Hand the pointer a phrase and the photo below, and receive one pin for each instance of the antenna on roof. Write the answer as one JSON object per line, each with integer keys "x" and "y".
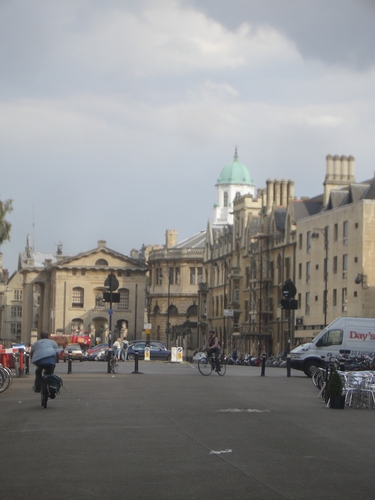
{"x": 235, "y": 153}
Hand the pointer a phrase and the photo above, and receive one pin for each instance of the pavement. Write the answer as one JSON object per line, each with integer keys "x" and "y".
{"x": 167, "y": 432}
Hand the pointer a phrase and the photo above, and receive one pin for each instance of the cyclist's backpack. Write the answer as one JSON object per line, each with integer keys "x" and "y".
{"x": 55, "y": 383}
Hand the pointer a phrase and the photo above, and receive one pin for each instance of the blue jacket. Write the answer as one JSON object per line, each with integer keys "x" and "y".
{"x": 44, "y": 352}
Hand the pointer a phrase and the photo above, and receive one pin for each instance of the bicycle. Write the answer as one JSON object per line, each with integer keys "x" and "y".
{"x": 207, "y": 364}
{"x": 50, "y": 386}
{"x": 6, "y": 378}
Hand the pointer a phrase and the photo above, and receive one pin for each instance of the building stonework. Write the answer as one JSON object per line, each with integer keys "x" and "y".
{"x": 72, "y": 291}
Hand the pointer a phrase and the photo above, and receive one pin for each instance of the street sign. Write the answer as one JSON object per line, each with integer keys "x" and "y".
{"x": 115, "y": 297}
{"x": 289, "y": 290}
{"x": 110, "y": 312}
{"x": 111, "y": 283}
{"x": 228, "y": 313}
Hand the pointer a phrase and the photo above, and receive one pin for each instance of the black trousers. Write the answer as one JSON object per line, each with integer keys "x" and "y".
{"x": 38, "y": 374}
{"x": 216, "y": 351}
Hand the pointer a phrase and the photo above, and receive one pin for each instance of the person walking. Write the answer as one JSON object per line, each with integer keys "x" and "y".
{"x": 124, "y": 351}
{"x": 117, "y": 347}
{"x": 43, "y": 354}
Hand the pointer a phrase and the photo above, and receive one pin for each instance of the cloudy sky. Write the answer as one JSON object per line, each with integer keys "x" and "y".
{"x": 117, "y": 116}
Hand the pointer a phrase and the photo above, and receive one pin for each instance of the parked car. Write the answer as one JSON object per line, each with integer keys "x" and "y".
{"x": 157, "y": 350}
{"x": 94, "y": 351}
{"x": 76, "y": 352}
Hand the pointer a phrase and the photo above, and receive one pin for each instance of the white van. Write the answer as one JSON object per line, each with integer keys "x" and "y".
{"x": 354, "y": 336}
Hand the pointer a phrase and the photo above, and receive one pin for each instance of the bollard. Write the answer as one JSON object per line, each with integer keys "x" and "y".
{"x": 288, "y": 365}
{"x": 110, "y": 353}
{"x": 263, "y": 365}
{"x": 136, "y": 356}
{"x": 69, "y": 362}
{"x": 21, "y": 353}
{"x": 27, "y": 367}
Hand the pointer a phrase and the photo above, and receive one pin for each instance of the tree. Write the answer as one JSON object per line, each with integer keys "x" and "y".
{"x": 5, "y": 226}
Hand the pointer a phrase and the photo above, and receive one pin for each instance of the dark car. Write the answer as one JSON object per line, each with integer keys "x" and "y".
{"x": 93, "y": 352}
{"x": 76, "y": 352}
{"x": 157, "y": 350}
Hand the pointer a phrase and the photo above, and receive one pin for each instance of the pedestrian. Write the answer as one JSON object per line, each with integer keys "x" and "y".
{"x": 117, "y": 347}
{"x": 43, "y": 355}
{"x": 124, "y": 352}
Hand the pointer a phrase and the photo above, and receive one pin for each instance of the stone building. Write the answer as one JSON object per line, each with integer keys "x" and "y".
{"x": 72, "y": 289}
{"x": 175, "y": 272}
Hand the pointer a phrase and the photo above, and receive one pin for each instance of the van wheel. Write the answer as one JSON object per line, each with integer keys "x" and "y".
{"x": 310, "y": 367}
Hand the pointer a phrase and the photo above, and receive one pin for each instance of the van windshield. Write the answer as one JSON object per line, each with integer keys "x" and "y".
{"x": 332, "y": 337}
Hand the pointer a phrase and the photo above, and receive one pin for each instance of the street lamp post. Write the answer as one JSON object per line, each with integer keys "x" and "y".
{"x": 315, "y": 234}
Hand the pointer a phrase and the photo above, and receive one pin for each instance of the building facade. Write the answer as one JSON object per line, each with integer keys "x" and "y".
{"x": 175, "y": 272}
{"x": 72, "y": 291}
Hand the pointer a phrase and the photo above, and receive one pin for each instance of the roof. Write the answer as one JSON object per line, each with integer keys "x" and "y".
{"x": 196, "y": 241}
{"x": 235, "y": 173}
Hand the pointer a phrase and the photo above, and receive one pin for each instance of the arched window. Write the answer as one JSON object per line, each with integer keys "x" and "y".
{"x": 124, "y": 298}
{"x": 172, "y": 310}
{"x": 192, "y": 310}
{"x": 77, "y": 296}
{"x": 101, "y": 262}
{"x": 156, "y": 310}
{"x": 225, "y": 199}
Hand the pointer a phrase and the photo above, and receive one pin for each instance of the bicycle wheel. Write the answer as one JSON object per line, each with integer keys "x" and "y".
{"x": 204, "y": 366}
{"x": 223, "y": 369}
{"x": 114, "y": 365}
{"x": 44, "y": 392}
{"x": 5, "y": 379}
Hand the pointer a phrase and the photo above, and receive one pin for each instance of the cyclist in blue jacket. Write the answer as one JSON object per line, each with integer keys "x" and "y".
{"x": 43, "y": 355}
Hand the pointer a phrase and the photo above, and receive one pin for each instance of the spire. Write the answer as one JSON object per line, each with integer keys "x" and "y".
{"x": 235, "y": 154}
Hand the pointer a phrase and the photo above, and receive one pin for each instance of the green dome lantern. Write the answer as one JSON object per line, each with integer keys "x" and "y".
{"x": 235, "y": 173}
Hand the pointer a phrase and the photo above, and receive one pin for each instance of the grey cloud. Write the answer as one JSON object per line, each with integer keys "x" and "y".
{"x": 334, "y": 31}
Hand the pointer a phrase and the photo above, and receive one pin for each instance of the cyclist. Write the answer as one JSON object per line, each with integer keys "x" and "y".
{"x": 212, "y": 346}
{"x": 43, "y": 355}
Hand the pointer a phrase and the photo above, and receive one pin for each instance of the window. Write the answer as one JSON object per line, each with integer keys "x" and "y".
{"x": 17, "y": 294}
{"x": 307, "y": 303}
{"x": 15, "y": 328}
{"x": 225, "y": 199}
{"x": 287, "y": 268}
{"x": 192, "y": 276}
{"x": 158, "y": 276}
{"x": 332, "y": 337}
{"x": 299, "y": 271}
{"x": 272, "y": 273}
{"x": 308, "y": 271}
{"x": 334, "y": 297}
{"x": 83, "y": 272}
{"x": 335, "y": 232}
{"x": 77, "y": 297}
{"x": 300, "y": 241}
{"x": 345, "y": 230}
{"x": 124, "y": 299}
{"x": 74, "y": 272}
{"x": 344, "y": 265}
{"x": 335, "y": 264}
{"x": 16, "y": 312}
{"x": 299, "y": 301}
{"x": 101, "y": 262}
{"x": 200, "y": 274}
{"x": 308, "y": 242}
{"x": 344, "y": 299}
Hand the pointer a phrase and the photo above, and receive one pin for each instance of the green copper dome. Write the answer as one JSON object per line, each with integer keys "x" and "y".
{"x": 235, "y": 173}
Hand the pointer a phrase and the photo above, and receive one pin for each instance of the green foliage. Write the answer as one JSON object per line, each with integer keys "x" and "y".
{"x": 335, "y": 386}
{"x": 5, "y": 226}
